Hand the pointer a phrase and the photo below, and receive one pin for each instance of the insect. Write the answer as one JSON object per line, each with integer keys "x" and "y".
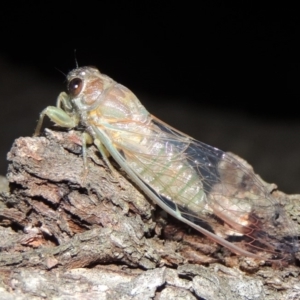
{"x": 206, "y": 188}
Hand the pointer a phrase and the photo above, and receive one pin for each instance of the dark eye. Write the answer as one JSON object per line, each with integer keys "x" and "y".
{"x": 75, "y": 87}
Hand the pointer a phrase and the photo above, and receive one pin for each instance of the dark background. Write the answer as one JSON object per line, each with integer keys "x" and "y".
{"x": 225, "y": 74}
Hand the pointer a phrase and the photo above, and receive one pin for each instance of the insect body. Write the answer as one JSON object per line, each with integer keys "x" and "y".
{"x": 198, "y": 184}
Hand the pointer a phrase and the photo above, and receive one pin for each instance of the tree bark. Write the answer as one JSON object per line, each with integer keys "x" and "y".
{"x": 68, "y": 233}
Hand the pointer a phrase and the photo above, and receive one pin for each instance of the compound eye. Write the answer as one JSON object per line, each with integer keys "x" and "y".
{"x": 75, "y": 87}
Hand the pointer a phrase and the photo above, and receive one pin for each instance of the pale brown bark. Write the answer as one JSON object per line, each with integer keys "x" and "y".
{"x": 68, "y": 233}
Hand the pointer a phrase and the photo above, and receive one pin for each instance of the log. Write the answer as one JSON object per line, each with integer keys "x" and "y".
{"x": 71, "y": 233}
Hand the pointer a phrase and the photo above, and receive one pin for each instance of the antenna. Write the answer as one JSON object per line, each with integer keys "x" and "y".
{"x": 76, "y": 62}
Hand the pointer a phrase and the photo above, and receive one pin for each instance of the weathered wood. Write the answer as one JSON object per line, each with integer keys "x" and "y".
{"x": 69, "y": 233}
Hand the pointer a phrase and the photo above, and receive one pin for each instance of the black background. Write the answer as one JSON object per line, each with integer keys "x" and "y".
{"x": 226, "y": 74}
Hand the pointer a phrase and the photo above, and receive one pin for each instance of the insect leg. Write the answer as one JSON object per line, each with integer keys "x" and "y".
{"x": 61, "y": 114}
{"x": 85, "y": 139}
{"x": 63, "y": 102}
{"x": 104, "y": 154}
{"x": 56, "y": 115}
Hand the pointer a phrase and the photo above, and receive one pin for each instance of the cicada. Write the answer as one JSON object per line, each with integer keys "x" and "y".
{"x": 202, "y": 186}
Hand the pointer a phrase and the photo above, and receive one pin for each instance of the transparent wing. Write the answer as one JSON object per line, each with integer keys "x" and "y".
{"x": 208, "y": 189}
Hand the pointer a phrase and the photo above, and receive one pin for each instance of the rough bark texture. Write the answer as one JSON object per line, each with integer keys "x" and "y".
{"x": 70, "y": 234}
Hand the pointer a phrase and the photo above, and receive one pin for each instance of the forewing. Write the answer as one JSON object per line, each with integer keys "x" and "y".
{"x": 209, "y": 189}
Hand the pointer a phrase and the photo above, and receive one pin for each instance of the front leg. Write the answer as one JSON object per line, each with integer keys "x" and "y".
{"x": 58, "y": 115}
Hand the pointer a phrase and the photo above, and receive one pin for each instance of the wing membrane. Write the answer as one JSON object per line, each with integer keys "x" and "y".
{"x": 205, "y": 187}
